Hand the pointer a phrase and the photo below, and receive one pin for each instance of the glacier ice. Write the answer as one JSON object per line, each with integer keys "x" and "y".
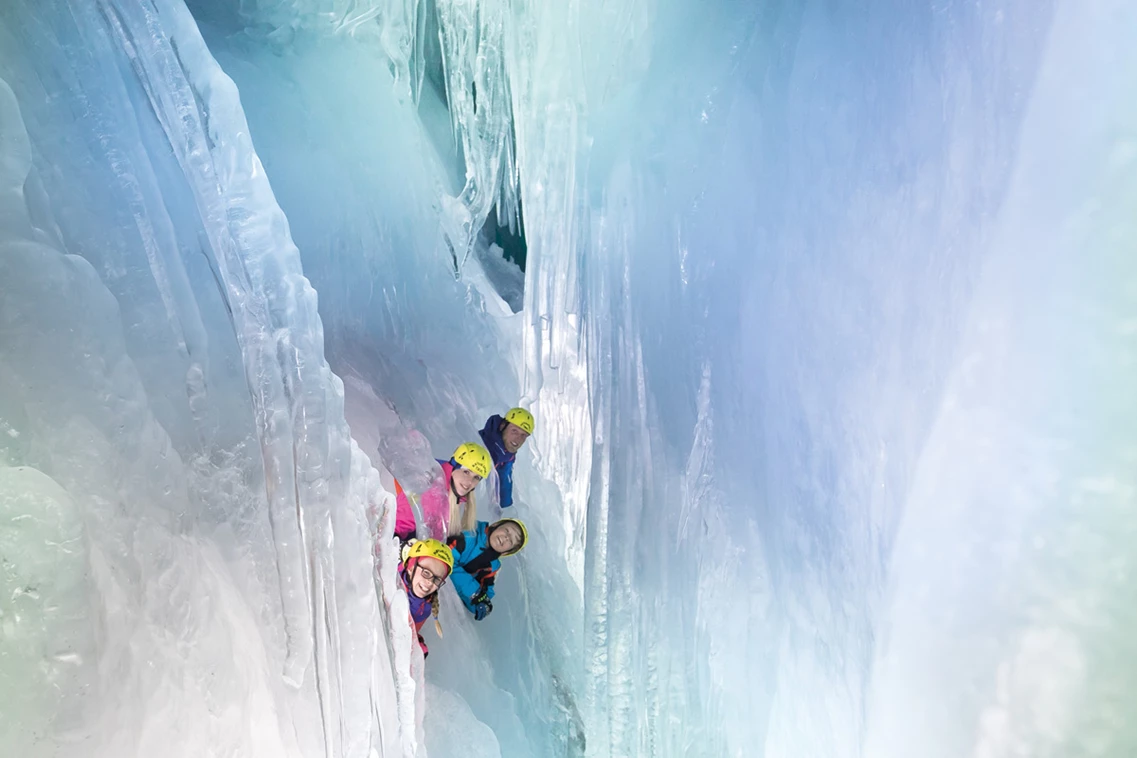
{"x": 827, "y": 317}
{"x": 167, "y": 375}
{"x": 44, "y": 607}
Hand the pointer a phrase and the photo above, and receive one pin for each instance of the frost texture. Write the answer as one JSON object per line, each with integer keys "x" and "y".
{"x": 462, "y": 47}
{"x": 182, "y": 401}
{"x": 828, "y": 326}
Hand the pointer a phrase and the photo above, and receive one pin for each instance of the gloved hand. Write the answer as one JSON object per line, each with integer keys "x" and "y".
{"x": 482, "y": 609}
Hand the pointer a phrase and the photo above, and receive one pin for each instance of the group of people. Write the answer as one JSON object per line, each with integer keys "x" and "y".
{"x": 451, "y": 543}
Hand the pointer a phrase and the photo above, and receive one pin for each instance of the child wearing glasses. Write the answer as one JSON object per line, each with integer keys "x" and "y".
{"x": 425, "y": 566}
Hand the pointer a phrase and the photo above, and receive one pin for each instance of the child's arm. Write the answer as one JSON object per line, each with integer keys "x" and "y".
{"x": 487, "y": 585}
{"x": 475, "y": 594}
{"x": 466, "y": 586}
{"x": 481, "y": 604}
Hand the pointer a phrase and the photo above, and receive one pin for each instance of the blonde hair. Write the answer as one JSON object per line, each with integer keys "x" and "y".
{"x": 463, "y": 516}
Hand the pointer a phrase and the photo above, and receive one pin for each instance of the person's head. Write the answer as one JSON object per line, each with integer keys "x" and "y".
{"x": 516, "y": 428}
{"x": 427, "y": 564}
{"x": 471, "y": 464}
{"x": 508, "y": 536}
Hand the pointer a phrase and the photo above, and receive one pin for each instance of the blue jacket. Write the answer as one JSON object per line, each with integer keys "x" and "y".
{"x": 502, "y": 458}
{"x": 475, "y": 564}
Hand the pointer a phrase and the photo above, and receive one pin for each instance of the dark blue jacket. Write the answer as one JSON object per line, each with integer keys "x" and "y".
{"x": 502, "y": 458}
{"x": 475, "y": 564}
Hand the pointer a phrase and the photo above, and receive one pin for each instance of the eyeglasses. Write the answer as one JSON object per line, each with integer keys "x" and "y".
{"x": 433, "y": 579}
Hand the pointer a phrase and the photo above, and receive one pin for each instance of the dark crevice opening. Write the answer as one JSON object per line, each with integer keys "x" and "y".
{"x": 511, "y": 241}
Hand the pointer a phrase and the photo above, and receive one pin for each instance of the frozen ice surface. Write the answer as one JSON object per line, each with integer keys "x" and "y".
{"x": 163, "y": 363}
{"x": 43, "y": 609}
{"x": 827, "y": 318}
{"x": 451, "y": 728}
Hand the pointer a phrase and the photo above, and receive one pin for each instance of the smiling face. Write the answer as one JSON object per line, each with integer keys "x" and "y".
{"x": 427, "y": 575}
{"x": 506, "y": 537}
{"x": 464, "y": 481}
{"x": 514, "y": 437}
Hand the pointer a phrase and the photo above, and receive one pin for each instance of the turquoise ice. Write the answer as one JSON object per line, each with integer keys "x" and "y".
{"x": 827, "y": 312}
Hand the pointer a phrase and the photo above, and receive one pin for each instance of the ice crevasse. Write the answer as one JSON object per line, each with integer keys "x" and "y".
{"x": 826, "y": 311}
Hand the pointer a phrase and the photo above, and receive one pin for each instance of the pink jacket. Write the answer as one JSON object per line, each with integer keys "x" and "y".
{"x": 434, "y": 505}
{"x": 404, "y": 516}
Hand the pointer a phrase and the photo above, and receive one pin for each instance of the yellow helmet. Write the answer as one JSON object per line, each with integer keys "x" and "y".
{"x": 429, "y": 549}
{"x": 472, "y": 456}
{"x": 520, "y": 525}
{"x": 522, "y": 418}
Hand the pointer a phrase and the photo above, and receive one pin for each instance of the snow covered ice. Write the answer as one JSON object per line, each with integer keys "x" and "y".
{"x": 827, "y": 313}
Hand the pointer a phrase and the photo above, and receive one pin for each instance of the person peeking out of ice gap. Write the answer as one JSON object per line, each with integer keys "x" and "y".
{"x": 477, "y": 558}
{"x": 504, "y": 437}
{"x": 423, "y": 570}
{"x": 448, "y": 506}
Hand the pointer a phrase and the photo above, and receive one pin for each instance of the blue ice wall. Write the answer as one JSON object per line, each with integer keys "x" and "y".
{"x": 828, "y": 261}
{"x": 187, "y": 524}
{"x": 828, "y": 323}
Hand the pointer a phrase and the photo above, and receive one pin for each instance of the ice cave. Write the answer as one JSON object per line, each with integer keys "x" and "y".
{"x": 825, "y": 311}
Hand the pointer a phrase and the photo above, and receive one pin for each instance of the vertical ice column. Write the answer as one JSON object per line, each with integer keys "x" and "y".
{"x": 474, "y": 45}
{"x": 317, "y": 506}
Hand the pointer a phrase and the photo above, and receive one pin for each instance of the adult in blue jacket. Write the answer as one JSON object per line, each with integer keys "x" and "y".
{"x": 503, "y": 437}
{"x": 477, "y": 558}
